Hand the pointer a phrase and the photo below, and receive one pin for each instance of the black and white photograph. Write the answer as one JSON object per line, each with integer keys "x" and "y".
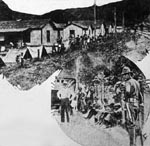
{"x": 74, "y": 72}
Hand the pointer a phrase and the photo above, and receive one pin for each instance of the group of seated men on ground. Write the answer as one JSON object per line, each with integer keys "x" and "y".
{"x": 106, "y": 111}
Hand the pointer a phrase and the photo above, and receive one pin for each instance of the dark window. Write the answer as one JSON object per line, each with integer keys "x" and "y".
{"x": 72, "y": 33}
{"x": 26, "y": 37}
{"x": 58, "y": 33}
{"x": 48, "y": 36}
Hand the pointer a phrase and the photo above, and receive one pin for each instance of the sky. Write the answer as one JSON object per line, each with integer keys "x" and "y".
{"x": 40, "y": 7}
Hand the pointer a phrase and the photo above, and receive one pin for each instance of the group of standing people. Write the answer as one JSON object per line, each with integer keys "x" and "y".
{"x": 71, "y": 101}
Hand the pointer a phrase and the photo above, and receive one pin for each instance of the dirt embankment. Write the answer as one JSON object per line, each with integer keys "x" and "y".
{"x": 31, "y": 74}
{"x": 77, "y": 61}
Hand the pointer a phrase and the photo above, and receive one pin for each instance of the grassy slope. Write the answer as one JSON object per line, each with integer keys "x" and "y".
{"x": 38, "y": 71}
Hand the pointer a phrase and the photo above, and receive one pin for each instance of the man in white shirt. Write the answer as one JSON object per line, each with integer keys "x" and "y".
{"x": 64, "y": 95}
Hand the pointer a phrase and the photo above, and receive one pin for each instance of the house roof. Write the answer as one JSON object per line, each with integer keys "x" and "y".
{"x": 88, "y": 23}
{"x": 78, "y": 24}
{"x": 59, "y": 25}
{"x": 22, "y": 25}
{"x": 13, "y": 30}
{"x": 37, "y": 23}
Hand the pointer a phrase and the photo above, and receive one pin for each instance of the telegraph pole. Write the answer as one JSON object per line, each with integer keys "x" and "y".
{"x": 115, "y": 20}
{"x": 95, "y": 18}
{"x": 123, "y": 21}
{"x": 115, "y": 26}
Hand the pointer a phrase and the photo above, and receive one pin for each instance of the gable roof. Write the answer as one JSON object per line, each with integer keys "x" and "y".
{"x": 37, "y": 23}
{"x": 13, "y": 30}
{"x": 23, "y": 25}
{"x": 59, "y": 25}
{"x": 91, "y": 23}
{"x": 78, "y": 24}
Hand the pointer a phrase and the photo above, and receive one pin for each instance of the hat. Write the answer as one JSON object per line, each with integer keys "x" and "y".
{"x": 126, "y": 70}
{"x": 117, "y": 105}
{"x": 65, "y": 83}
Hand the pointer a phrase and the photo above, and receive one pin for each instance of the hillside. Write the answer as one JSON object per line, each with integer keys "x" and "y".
{"x": 135, "y": 11}
{"x": 7, "y": 14}
{"x": 80, "y": 63}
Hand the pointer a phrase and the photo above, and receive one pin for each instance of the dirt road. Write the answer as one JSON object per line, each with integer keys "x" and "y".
{"x": 87, "y": 133}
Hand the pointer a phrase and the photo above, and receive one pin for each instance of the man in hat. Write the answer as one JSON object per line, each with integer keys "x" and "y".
{"x": 64, "y": 95}
{"x": 132, "y": 96}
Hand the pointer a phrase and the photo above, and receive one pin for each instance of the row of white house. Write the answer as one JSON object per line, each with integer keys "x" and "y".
{"x": 40, "y": 32}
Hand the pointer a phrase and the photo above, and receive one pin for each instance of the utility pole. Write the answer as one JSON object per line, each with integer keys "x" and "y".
{"x": 123, "y": 27}
{"x": 123, "y": 21}
{"x": 95, "y": 18}
{"x": 115, "y": 31}
{"x": 115, "y": 20}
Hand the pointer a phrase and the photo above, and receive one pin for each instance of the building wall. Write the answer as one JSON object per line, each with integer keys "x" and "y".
{"x": 53, "y": 35}
{"x": 35, "y": 37}
{"x": 2, "y": 37}
{"x": 78, "y": 31}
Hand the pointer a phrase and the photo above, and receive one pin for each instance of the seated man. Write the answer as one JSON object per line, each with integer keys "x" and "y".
{"x": 95, "y": 107}
{"x": 113, "y": 116}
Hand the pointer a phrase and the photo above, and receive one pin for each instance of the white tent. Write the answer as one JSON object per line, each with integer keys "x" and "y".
{"x": 48, "y": 49}
{"x": 26, "y": 118}
{"x": 110, "y": 29}
{"x": 34, "y": 51}
{"x": 12, "y": 53}
{"x": 102, "y": 30}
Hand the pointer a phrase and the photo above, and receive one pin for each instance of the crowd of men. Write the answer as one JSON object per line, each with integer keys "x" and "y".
{"x": 88, "y": 42}
{"x": 122, "y": 109}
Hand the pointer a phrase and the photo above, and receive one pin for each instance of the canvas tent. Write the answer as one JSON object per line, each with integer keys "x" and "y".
{"x": 1, "y": 63}
{"x": 102, "y": 30}
{"x": 48, "y": 49}
{"x": 38, "y": 51}
{"x": 12, "y": 53}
